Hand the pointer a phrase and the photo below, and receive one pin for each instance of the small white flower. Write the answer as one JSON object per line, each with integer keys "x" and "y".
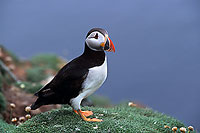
{"x": 28, "y": 116}
{"x": 95, "y": 127}
{"x": 21, "y": 119}
{"x": 131, "y": 104}
{"x": 77, "y": 129}
{"x": 174, "y": 129}
{"x": 22, "y": 86}
{"x": 105, "y": 112}
{"x": 100, "y": 114}
{"x": 166, "y": 126}
{"x": 183, "y": 129}
{"x": 12, "y": 105}
{"x": 191, "y": 128}
{"x": 14, "y": 120}
{"x": 57, "y": 126}
{"x": 114, "y": 113}
{"x": 28, "y": 109}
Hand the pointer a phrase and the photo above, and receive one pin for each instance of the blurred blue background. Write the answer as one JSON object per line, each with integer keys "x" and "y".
{"x": 157, "y": 59}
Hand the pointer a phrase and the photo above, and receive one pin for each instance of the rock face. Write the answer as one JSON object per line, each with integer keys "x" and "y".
{"x": 11, "y": 71}
{"x": 21, "y": 99}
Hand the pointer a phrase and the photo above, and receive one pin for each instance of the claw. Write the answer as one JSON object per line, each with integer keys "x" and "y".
{"x": 93, "y": 119}
{"x": 87, "y": 113}
{"x": 84, "y": 115}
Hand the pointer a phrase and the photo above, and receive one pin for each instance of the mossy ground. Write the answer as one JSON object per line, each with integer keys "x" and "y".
{"x": 5, "y": 127}
{"x": 117, "y": 119}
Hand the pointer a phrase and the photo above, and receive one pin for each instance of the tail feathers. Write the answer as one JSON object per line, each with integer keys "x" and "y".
{"x": 39, "y": 102}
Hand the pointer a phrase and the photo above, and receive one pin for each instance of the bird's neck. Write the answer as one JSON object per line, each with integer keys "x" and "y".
{"x": 94, "y": 56}
{"x": 92, "y": 53}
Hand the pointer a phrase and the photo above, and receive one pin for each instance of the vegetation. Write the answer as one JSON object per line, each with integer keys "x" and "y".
{"x": 29, "y": 87}
{"x": 36, "y": 74}
{"x": 14, "y": 57}
{"x": 121, "y": 118}
{"x": 49, "y": 61}
{"x": 2, "y": 98}
{"x": 2, "y": 102}
{"x": 100, "y": 101}
{"x": 11, "y": 54}
{"x": 5, "y": 127}
{"x": 1, "y": 81}
{"x": 40, "y": 64}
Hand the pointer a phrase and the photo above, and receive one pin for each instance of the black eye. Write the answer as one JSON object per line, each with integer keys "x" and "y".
{"x": 96, "y": 36}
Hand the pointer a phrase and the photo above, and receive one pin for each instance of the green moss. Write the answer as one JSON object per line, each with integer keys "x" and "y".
{"x": 36, "y": 74}
{"x": 5, "y": 127}
{"x": 2, "y": 98}
{"x": 40, "y": 64}
{"x": 29, "y": 87}
{"x": 4, "y": 78}
{"x": 1, "y": 81}
{"x": 2, "y": 102}
{"x": 50, "y": 61}
{"x": 14, "y": 57}
{"x": 117, "y": 119}
{"x": 11, "y": 54}
{"x": 100, "y": 101}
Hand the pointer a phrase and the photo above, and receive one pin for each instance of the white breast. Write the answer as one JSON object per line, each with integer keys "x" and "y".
{"x": 95, "y": 78}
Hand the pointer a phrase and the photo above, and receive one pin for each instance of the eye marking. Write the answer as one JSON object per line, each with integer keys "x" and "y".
{"x": 96, "y": 36}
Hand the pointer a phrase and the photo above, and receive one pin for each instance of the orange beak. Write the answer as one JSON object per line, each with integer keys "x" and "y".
{"x": 112, "y": 47}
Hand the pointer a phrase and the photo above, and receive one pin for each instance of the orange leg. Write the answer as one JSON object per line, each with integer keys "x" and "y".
{"x": 85, "y": 113}
{"x": 81, "y": 113}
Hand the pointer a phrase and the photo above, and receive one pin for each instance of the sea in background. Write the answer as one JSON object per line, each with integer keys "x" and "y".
{"x": 157, "y": 58}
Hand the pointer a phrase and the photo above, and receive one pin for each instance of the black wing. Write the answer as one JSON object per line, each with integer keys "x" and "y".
{"x": 66, "y": 84}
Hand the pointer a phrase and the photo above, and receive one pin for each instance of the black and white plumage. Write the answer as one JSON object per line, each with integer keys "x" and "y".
{"x": 81, "y": 77}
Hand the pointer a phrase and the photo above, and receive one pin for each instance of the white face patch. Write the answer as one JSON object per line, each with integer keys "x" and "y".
{"x": 94, "y": 41}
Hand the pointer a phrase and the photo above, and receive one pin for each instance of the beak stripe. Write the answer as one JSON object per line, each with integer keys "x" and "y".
{"x": 107, "y": 47}
{"x": 112, "y": 47}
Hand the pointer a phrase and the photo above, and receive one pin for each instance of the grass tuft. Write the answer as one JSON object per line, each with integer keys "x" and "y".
{"x": 50, "y": 61}
{"x": 2, "y": 102}
{"x": 29, "y": 87}
{"x": 5, "y": 127}
{"x": 36, "y": 74}
{"x": 117, "y": 119}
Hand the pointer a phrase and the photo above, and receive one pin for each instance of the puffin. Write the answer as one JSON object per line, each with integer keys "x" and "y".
{"x": 80, "y": 77}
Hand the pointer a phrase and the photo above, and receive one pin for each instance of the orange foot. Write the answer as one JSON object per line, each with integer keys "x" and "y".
{"x": 93, "y": 119}
{"x": 84, "y": 115}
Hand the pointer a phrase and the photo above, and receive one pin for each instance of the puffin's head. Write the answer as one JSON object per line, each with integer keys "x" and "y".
{"x": 97, "y": 39}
